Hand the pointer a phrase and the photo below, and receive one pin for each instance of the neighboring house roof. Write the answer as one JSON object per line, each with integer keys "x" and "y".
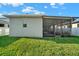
{"x": 4, "y": 20}
{"x": 76, "y": 22}
{"x": 2, "y": 17}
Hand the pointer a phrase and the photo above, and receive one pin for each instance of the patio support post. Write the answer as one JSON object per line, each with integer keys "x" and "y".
{"x": 53, "y": 29}
{"x": 61, "y": 28}
{"x": 70, "y": 26}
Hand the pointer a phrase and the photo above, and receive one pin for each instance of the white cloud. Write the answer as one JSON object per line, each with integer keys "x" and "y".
{"x": 32, "y": 10}
{"x": 52, "y": 3}
{"x": 55, "y": 5}
{"x": 12, "y": 4}
{"x": 61, "y": 3}
{"x": 28, "y": 9}
{"x": 45, "y": 7}
{"x": 39, "y": 12}
{"x": 16, "y": 4}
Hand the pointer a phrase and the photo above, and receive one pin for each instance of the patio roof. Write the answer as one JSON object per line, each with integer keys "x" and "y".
{"x": 59, "y": 17}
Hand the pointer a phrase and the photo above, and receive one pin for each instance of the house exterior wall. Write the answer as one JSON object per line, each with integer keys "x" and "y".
{"x": 75, "y": 29}
{"x": 4, "y": 30}
{"x": 33, "y": 29}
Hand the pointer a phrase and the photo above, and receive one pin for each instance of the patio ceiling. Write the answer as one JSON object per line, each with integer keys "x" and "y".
{"x": 57, "y": 19}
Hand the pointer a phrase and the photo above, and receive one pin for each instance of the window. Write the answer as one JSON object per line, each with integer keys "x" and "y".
{"x": 24, "y": 25}
{"x": 1, "y": 25}
{"x": 77, "y": 25}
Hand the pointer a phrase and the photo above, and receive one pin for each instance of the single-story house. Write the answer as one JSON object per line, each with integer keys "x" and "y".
{"x": 39, "y": 25}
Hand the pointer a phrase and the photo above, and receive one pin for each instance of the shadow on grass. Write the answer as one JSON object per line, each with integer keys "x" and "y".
{"x": 61, "y": 40}
{"x": 6, "y": 40}
{"x": 64, "y": 40}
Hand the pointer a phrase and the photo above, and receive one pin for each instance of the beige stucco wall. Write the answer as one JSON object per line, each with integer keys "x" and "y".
{"x": 75, "y": 29}
{"x": 74, "y": 25}
{"x": 33, "y": 29}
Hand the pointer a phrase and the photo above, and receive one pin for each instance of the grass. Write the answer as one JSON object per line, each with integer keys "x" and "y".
{"x": 50, "y": 46}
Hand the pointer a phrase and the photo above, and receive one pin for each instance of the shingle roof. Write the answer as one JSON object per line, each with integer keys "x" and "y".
{"x": 24, "y": 15}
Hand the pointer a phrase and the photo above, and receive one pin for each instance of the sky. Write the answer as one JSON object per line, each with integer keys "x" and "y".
{"x": 50, "y": 9}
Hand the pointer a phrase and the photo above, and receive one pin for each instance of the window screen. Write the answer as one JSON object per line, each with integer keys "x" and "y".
{"x": 1, "y": 25}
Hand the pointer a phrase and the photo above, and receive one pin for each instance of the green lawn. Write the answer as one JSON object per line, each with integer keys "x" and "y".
{"x": 53, "y": 46}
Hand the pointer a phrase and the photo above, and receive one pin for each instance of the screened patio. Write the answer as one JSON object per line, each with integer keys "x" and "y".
{"x": 57, "y": 26}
